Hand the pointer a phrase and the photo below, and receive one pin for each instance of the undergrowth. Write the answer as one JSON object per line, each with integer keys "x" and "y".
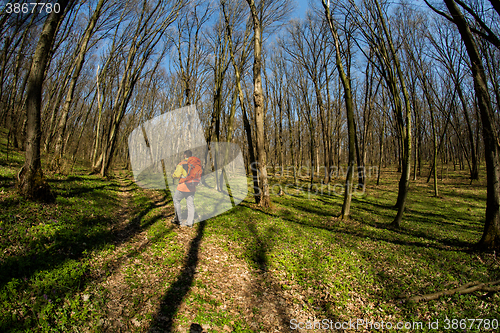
{"x": 56, "y": 256}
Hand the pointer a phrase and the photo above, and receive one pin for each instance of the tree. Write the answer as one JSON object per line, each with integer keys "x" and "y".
{"x": 30, "y": 179}
{"x": 308, "y": 47}
{"x": 491, "y": 234}
{"x": 258, "y": 98}
{"x": 189, "y": 50}
{"x": 380, "y": 39}
{"x": 450, "y": 53}
{"x": 238, "y": 69}
{"x": 152, "y": 23}
{"x": 218, "y": 45}
{"x": 349, "y": 105}
{"x": 79, "y": 60}
{"x": 404, "y": 125}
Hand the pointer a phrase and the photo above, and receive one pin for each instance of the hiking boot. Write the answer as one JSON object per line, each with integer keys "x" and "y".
{"x": 174, "y": 221}
{"x": 184, "y": 224}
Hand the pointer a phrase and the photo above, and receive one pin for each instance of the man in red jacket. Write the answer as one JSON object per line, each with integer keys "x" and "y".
{"x": 189, "y": 172}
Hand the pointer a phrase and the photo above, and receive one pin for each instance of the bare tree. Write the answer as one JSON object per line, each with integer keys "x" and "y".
{"x": 308, "y": 47}
{"x": 238, "y": 69}
{"x": 349, "y": 105}
{"x": 152, "y": 23}
{"x": 189, "y": 49}
{"x": 258, "y": 96}
{"x": 491, "y": 234}
{"x": 30, "y": 179}
{"x": 450, "y": 53}
{"x": 376, "y": 31}
{"x": 78, "y": 64}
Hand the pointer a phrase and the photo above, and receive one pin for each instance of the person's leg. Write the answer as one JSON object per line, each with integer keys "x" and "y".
{"x": 178, "y": 196}
{"x": 190, "y": 208}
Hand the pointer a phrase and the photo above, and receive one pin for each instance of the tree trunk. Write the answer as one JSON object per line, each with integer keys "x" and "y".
{"x": 30, "y": 178}
{"x": 280, "y": 141}
{"x": 241, "y": 98}
{"x": 474, "y": 171}
{"x": 258, "y": 98}
{"x": 80, "y": 59}
{"x": 292, "y": 139}
{"x": 381, "y": 153}
{"x": 435, "y": 147}
{"x": 346, "y": 206}
{"x": 405, "y": 127}
{"x": 491, "y": 234}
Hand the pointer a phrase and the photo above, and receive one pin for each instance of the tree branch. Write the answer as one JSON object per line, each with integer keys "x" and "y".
{"x": 490, "y": 36}
{"x": 443, "y": 14}
{"x": 465, "y": 289}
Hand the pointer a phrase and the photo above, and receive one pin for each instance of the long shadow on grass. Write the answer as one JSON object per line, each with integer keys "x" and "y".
{"x": 71, "y": 241}
{"x": 258, "y": 253}
{"x": 311, "y": 208}
{"x": 417, "y": 219}
{"x": 45, "y": 254}
{"x": 68, "y": 179}
{"x": 423, "y": 217}
{"x": 474, "y": 198}
{"x": 60, "y": 257}
{"x": 67, "y": 245}
{"x": 456, "y": 244}
{"x": 72, "y": 277}
{"x": 446, "y": 242}
{"x": 258, "y": 249}
{"x": 172, "y": 300}
{"x": 77, "y": 191}
{"x": 137, "y": 225}
{"x": 386, "y": 278}
{"x": 448, "y": 245}
{"x": 7, "y": 181}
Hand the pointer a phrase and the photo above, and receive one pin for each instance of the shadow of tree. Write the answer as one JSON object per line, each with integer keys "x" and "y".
{"x": 70, "y": 243}
{"x": 442, "y": 243}
{"x": 258, "y": 252}
{"x": 172, "y": 300}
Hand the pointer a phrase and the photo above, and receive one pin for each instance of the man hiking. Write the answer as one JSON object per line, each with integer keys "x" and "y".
{"x": 189, "y": 172}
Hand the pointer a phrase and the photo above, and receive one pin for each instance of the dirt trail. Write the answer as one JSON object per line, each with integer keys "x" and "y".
{"x": 121, "y": 299}
{"x": 135, "y": 279}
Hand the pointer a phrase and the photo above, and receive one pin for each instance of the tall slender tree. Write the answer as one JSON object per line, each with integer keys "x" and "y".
{"x": 79, "y": 61}
{"x": 30, "y": 178}
{"x": 258, "y": 98}
{"x": 491, "y": 136}
{"x": 349, "y": 105}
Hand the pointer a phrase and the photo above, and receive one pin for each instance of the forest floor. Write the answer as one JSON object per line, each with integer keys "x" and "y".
{"x": 105, "y": 258}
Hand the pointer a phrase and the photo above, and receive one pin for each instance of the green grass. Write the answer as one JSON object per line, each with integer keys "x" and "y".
{"x": 338, "y": 263}
{"x": 48, "y": 249}
{"x": 56, "y": 258}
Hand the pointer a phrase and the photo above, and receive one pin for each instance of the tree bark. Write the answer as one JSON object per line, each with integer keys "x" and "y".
{"x": 491, "y": 234}
{"x": 30, "y": 178}
{"x": 258, "y": 98}
{"x": 80, "y": 59}
{"x": 346, "y": 206}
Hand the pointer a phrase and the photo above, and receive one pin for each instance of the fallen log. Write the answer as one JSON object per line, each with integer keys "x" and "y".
{"x": 465, "y": 289}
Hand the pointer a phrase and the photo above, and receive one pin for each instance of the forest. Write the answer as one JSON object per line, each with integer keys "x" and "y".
{"x": 358, "y": 190}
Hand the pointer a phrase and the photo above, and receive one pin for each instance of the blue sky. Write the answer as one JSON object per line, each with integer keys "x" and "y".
{"x": 300, "y": 8}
